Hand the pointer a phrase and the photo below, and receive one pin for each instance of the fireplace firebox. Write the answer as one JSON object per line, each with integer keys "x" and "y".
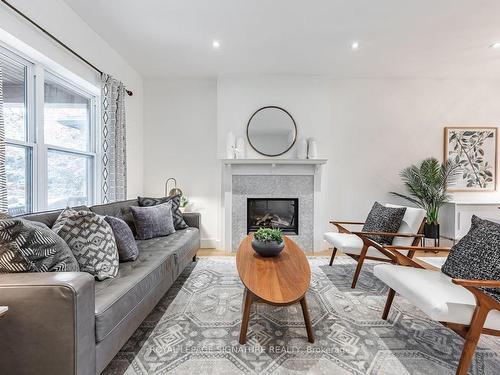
{"x": 282, "y": 213}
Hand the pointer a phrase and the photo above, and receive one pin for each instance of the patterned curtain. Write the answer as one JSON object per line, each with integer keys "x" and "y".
{"x": 3, "y": 176}
{"x": 114, "y": 155}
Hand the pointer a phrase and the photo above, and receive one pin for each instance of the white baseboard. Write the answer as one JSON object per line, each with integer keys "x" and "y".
{"x": 210, "y": 243}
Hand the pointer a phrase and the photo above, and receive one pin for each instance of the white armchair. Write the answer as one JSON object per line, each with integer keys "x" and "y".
{"x": 359, "y": 246}
{"x": 458, "y": 304}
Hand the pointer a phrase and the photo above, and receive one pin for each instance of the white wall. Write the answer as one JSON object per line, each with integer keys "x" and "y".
{"x": 180, "y": 138}
{"x": 64, "y": 23}
{"x": 368, "y": 129}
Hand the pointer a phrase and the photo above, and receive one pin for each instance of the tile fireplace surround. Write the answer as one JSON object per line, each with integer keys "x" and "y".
{"x": 272, "y": 178}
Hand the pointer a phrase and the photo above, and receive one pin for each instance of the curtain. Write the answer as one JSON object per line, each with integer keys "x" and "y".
{"x": 114, "y": 153}
{"x": 3, "y": 176}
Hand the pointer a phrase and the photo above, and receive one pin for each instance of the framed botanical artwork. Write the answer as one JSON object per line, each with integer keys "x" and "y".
{"x": 475, "y": 151}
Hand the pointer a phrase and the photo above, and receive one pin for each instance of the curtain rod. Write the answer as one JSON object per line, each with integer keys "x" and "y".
{"x": 130, "y": 93}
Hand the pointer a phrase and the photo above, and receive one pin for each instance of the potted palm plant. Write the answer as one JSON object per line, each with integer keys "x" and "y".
{"x": 426, "y": 185}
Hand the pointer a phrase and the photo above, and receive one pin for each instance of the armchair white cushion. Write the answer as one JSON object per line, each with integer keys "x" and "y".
{"x": 434, "y": 293}
{"x": 352, "y": 244}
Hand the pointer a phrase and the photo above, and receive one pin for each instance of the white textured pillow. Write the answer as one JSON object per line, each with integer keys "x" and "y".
{"x": 91, "y": 240}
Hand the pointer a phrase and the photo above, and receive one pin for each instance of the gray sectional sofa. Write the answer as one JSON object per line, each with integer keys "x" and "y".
{"x": 67, "y": 323}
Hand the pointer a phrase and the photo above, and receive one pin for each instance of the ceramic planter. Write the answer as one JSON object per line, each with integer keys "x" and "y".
{"x": 267, "y": 249}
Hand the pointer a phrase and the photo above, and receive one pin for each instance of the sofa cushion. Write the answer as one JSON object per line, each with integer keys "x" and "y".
{"x": 125, "y": 242}
{"x": 113, "y": 209}
{"x": 48, "y": 217}
{"x": 384, "y": 219}
{"x": 33, "y": 247}
{"x": 155, "y": 221}
{"x": 477, "y": 255}
{"x": 91, "y": 240}
{"x": 158, "y": 259}
{"x": 179, "y": 222}
{"x": 434, "y": 293}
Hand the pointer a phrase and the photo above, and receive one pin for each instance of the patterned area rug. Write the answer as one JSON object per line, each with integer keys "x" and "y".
{"x": 195, "y": 328}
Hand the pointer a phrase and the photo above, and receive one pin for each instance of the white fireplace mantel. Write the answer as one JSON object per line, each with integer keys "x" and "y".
{"x": 273, "y": 167}
{"x": 274, "y": 161}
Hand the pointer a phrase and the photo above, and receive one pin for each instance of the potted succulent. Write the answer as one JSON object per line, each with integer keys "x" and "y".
{"x": 268, "y": 242}
{"x": 183, "y": 203}
{"x": 426, "y": 185}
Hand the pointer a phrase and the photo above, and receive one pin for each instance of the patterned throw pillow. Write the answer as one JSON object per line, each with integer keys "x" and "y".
{"x": 384, "y": 219}
{"x": 127, "y": 247}
{"x": 477, "y": 255}
{"x": 91, "y": 240}
{"x": 179, "y": 222}
{"x": 154, "y": 221}
{"x": 32, "y": 247}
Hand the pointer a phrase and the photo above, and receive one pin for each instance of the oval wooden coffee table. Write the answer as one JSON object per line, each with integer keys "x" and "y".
{"x": 282, "y": 280}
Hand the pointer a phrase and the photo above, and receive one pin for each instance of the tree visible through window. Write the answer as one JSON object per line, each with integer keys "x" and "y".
{"x": 54, "y": 168}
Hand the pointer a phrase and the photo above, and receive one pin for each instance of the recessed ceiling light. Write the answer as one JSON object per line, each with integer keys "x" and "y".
{"x": 355, "y": 45}
{"x": 216, "y": 44}
{"x": 495, "y": 45}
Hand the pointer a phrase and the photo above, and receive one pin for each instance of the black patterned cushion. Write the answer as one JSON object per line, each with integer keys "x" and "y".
{"x": 32, "y": 247}
{"x": 154, "y": 221}
{"x": 91, "y": 240}
{"x": 477, "y": 255}
{"x": 125, "y": 242}
{"x": 384, "y": 219}
{"x": 179, "y": 222}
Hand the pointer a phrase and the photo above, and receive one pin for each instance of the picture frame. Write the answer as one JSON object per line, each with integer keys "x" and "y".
{"x": 475, "y": 149}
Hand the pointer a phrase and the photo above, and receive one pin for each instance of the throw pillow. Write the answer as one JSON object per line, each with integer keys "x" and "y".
{"x": 129, "y": 219}
{"x": 384, "y": 219}
{"x": 179, "y": 222}
{"x": 125, "y": 242}
{"x": 154, "y": 221}
{"x": 91, "y": 240}
{"x": 31, "y": 247}
{"x": 477, "y": 255}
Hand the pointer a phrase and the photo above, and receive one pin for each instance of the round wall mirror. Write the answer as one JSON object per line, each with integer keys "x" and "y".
{"x": 271, "y": 131}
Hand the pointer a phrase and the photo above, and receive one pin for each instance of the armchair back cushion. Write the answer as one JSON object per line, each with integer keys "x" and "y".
{"x": 477, "y": 255}
{"x": 384, "y": 219}
{"x": 411, "y": 223}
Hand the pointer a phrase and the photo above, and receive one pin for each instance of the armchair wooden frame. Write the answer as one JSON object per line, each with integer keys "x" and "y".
{"x": 368, "y": 242}
{"x": 484, "y": 304}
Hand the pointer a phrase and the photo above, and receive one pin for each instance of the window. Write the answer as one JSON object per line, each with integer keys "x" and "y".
{"x": 50, "y": 138}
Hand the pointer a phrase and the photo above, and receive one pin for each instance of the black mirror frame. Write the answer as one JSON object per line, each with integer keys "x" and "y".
{"x": 294, "y": 124}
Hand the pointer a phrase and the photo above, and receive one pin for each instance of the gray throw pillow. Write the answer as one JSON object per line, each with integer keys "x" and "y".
{"x": 155, "y": 221}
{"x": 32, "y": 247}
{"x": 91, "y": 240}
{"x": 125, "y": 242}
{"x": 179, "y": 222}
{"x": 384, "y": 219}
{"x": 477, "y": 255}
{"x": 129, "y": 219}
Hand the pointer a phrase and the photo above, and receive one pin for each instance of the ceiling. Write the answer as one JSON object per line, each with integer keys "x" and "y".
{"x": 398, "y": 38}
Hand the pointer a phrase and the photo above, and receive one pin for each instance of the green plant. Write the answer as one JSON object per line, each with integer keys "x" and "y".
{"x": 184, "y": 201}
{"x": 426, "y": 184}
{"x": 269, "y": 235}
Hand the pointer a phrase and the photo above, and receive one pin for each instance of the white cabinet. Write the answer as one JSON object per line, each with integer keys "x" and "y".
{"x": 455, "y": 217}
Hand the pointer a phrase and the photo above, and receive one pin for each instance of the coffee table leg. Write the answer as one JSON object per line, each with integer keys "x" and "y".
{"x": 247, "y": 303}
{"x": 307, "y": 319}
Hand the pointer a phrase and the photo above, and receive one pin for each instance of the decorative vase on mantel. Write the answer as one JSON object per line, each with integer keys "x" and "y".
{"x": 312, "y": 149}
{"x": 302, "y": 149}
